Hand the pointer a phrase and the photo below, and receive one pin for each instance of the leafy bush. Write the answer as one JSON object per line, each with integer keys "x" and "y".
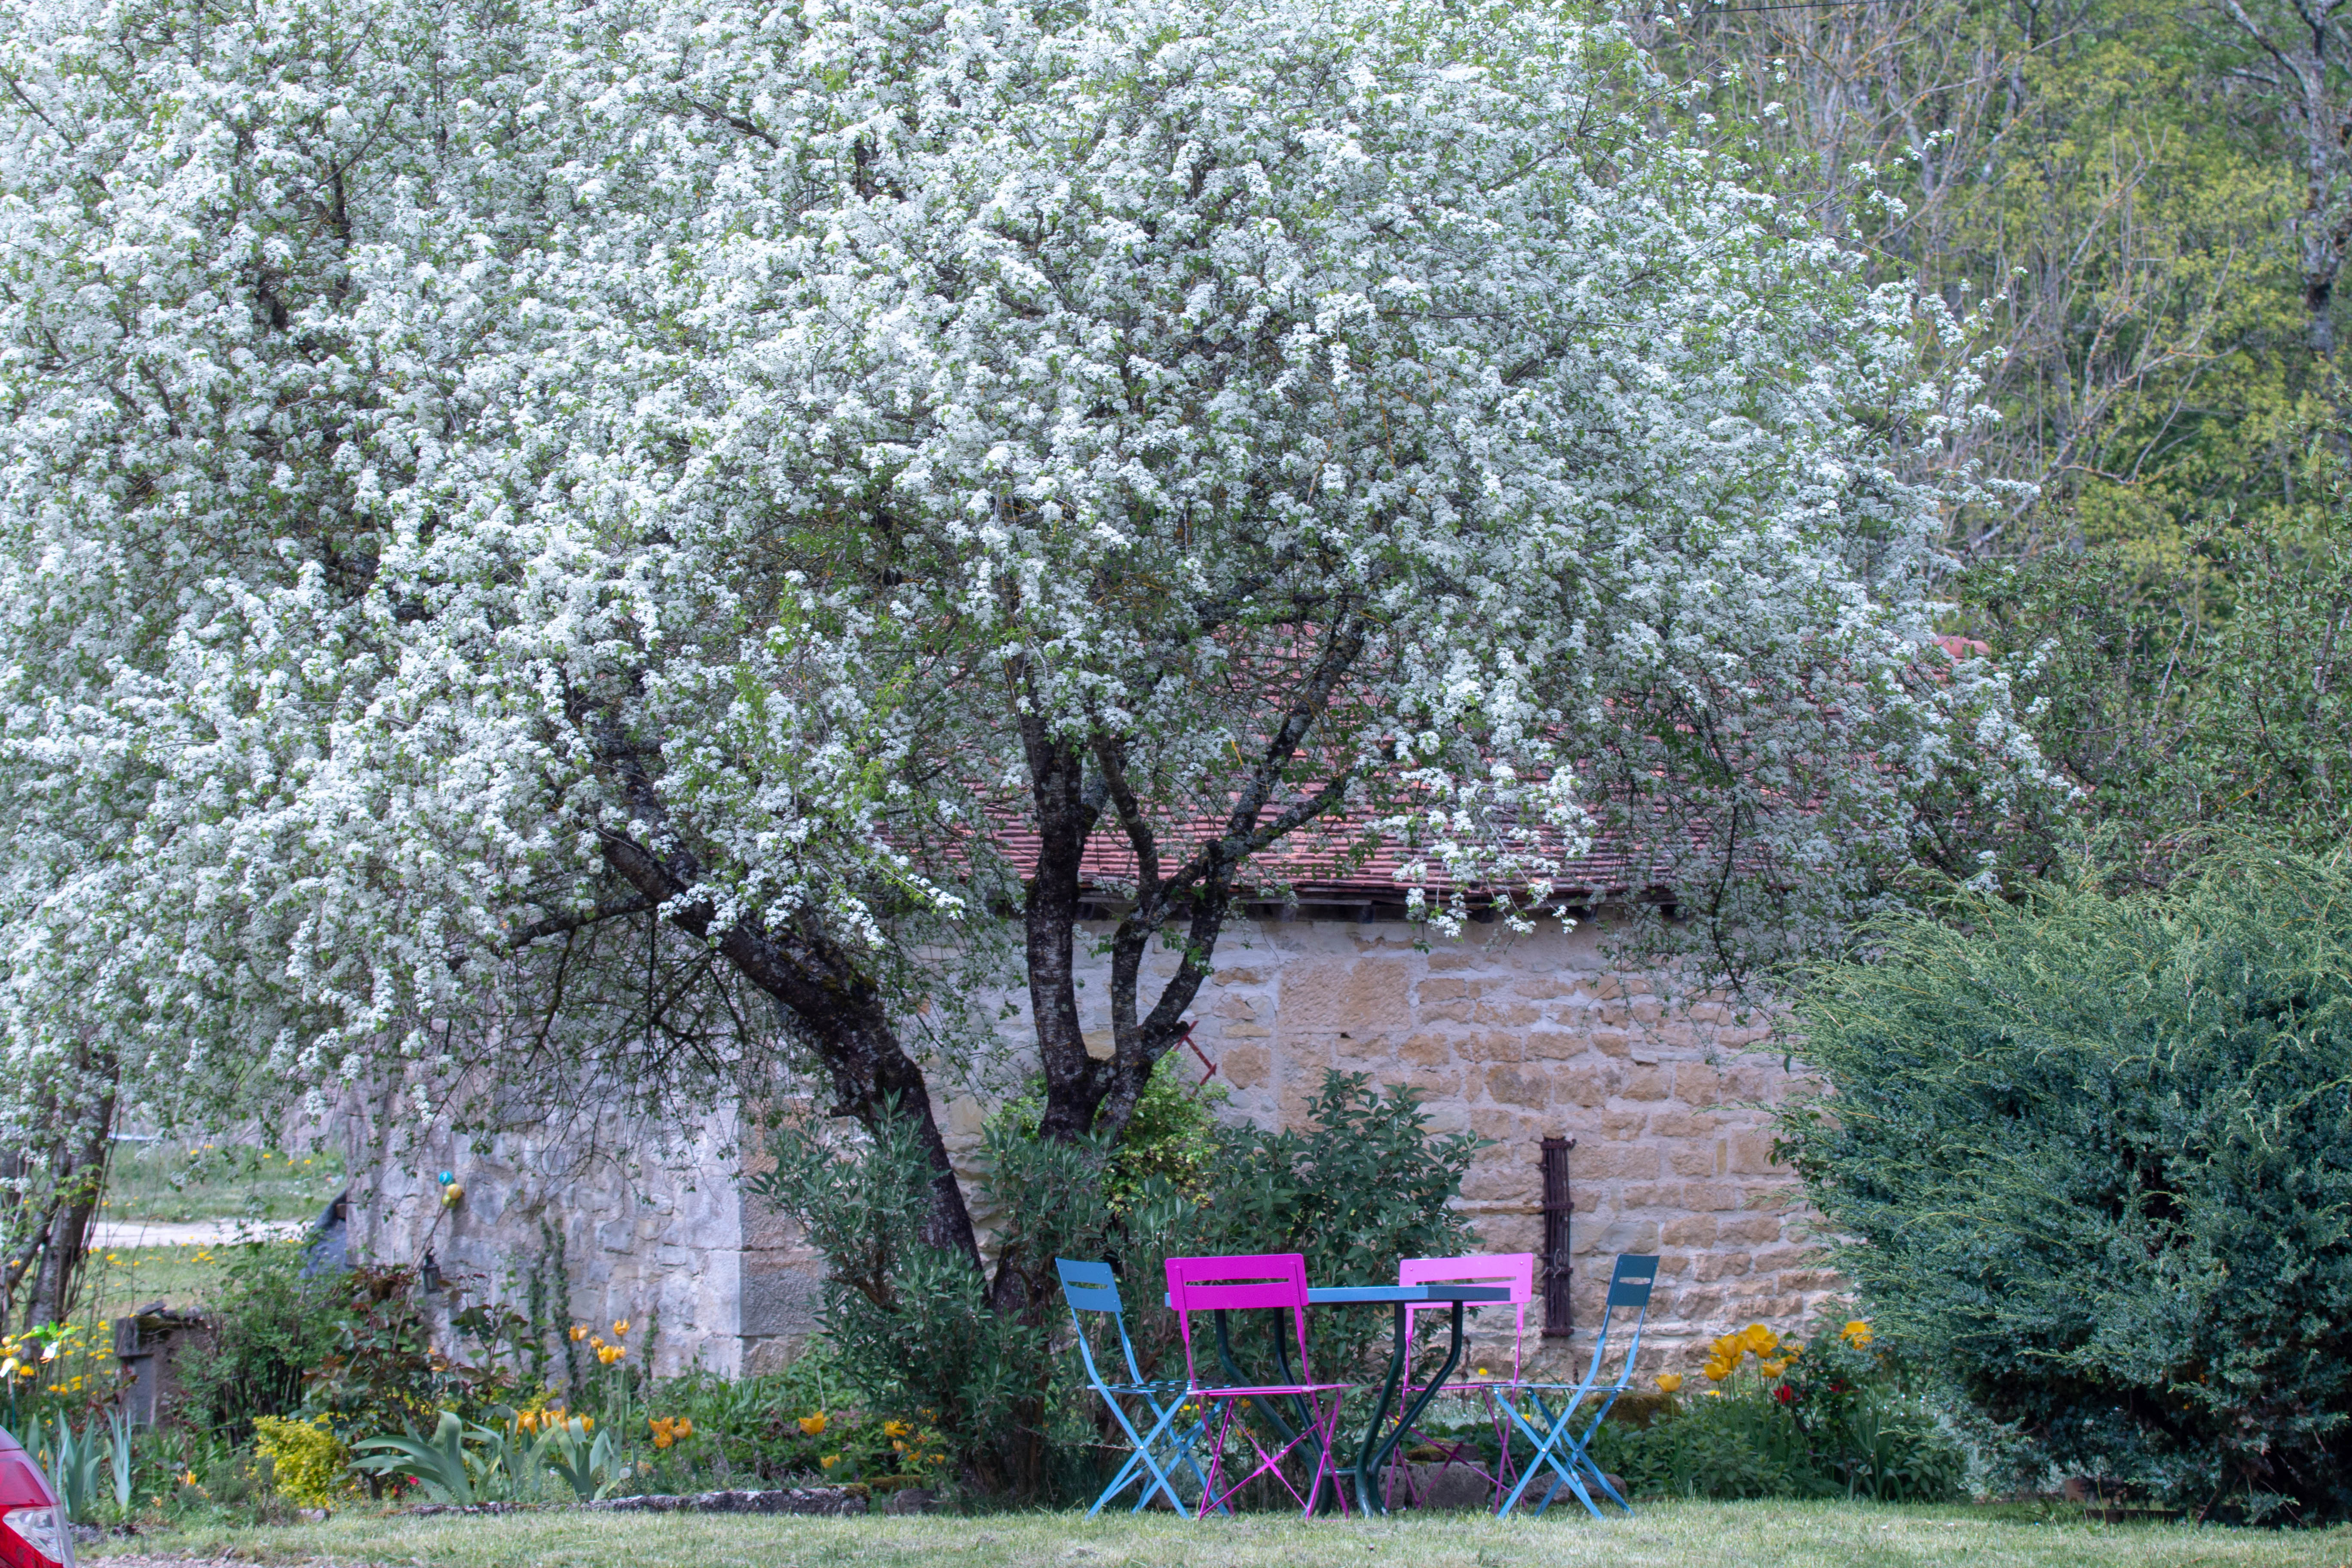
{"x": 308, "y": 1463}
{"x": 271, "y": 1326}
{"x": 2092, "y": 1156}
{"x": 981, "y": 1363}
{"x": 1828, "y": 1418}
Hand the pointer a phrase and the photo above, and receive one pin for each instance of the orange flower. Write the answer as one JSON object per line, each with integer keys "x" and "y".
{"x": 608, "y": 1354}
{"x": 578, "y": 1332}
{"x": 621, "y": 1329}
{"x": 813, "y": 1425}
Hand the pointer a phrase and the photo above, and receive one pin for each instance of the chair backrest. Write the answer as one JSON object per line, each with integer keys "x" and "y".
{"x": 1514, "y": 1271}
{"x": 1629, "y": 1286}
{"x": 1093, "y": 1288}
{"x": 1244, "y": 1279}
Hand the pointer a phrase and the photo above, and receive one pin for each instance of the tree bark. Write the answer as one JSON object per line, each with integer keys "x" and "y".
{"x": 79, "y": 1167}
{"x": 826, "y": 992}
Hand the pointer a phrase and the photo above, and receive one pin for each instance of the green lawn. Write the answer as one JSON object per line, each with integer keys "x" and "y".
{"x": 1685, "y": 1535}
{"x": 123, "y": 1280}
{"x": 174, "y": 1183}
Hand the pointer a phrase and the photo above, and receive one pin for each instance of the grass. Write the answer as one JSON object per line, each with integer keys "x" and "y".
{"x": 175, "y": 1184}
{"x": 1665, "y": 1535}
{"x": 122, "y": 1279}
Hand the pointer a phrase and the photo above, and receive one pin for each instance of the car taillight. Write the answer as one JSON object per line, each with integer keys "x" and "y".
{"x": 43, "y": 1533}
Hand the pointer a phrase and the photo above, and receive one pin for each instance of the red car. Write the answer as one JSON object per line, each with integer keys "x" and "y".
{"x": 33, "y": 1529}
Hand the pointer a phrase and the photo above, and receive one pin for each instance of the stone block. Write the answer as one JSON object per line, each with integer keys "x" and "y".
{"x": 1552, "y": 1045}
{"x": 1751, "y": 1154}
{"x": 1584, "y": 1084}
{"x": 1691, "y": 1230}
{"x": 1721, "y": 1265}
{"x": 1359, "y": 996}
{"x": 1507, "y": 1013}
{"x": 1686, "y": 1159}
{"x": 1492, "y": 1045}
{"x": 1613, "y": 1163}
{"x": 1427, "y": 1050}
{"x": 1518, "y": 1085}
{"x": 1646, "y": 1083}
{"x": 1244, "y": 1066}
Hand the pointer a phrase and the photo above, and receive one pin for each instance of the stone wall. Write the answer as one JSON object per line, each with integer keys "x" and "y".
{"x": 641, "y": 1240}
{"x": 1518, "y": 1038}
{"x": 1514, "y": 1038}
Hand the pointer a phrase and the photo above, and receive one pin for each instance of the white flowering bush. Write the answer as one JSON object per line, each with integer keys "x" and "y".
{"x": 566, "y": 547}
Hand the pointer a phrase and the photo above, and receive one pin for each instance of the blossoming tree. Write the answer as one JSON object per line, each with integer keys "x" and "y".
{"x": 558, "y": 537}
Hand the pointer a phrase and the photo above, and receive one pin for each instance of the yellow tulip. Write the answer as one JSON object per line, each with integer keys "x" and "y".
{"x": 1773, "y": 1368}
{"x": 814, "y": 1426}
{"x": 1856, "y": 1333}
{"x": 1759, "y": 1340}
{"x": 895, "y": 1429}
{"x": 578, "y": 1332}
{"x": 1669, "y": 1381}
{"x": 621, "y": 1329}
{"x": 829, "y": 1461}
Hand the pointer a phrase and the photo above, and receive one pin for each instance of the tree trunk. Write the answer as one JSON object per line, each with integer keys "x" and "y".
{"x": 832, "y": 999}
{"x": 80, "y": 1180}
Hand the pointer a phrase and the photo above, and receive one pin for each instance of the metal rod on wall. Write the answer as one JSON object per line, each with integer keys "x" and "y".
{"x": 1560, "y": 1318}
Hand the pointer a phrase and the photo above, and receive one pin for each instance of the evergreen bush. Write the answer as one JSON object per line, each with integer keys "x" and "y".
{"x": 2091, "y": 1156}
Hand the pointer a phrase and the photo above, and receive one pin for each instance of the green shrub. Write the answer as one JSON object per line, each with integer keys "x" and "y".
{"x": 271, "y": 1326}
{"x": 1825, "y": 1417}
{"x": 2091, "y": 1160}
{"x": 983, "y": 1364}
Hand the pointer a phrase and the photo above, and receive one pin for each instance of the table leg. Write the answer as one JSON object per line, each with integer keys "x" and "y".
{"x": 1374, "y": 1454}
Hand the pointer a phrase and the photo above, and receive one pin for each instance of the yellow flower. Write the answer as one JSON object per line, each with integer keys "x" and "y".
{"x": 1773, "y": 1368}
{"x": 1759, "y": 1340}
{"x": 587, "y": 1423}
{"x": 621, "y": 1329}
{"x": 608, "y": 1354}
{"x": 1481, "y": 1372}
{"x": 1669, "y": 1381}
{"x": 1856, "y": 1332}
{"x": 596, "y": 1343}
{"x": 895, "y": 1429}
{"x": 188, "y": 1479}
{"x": 578, "y": 1332}
{"x": 814, "y": 1426}
{"x": 685, "y": 1427}
{"x": 1717, "y": 1370}
{"x": 664, "y": 1430}
{"x": 829, "y": 1461}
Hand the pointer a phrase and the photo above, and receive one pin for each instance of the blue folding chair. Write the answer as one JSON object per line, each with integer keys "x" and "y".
{"x": 1558, "y": 1444}
{"x": 1169, "y": 1441}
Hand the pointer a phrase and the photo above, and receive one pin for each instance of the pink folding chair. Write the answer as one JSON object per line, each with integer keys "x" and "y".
{"x": 1277, "y": 1280}
{"x": 1512, "y": 1272}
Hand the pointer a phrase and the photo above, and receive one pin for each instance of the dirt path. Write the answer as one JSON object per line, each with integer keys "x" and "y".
{"x": 125, "y": 1234}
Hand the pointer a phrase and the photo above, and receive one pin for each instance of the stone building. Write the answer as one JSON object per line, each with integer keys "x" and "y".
{"x": 1514, "y": 1038}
